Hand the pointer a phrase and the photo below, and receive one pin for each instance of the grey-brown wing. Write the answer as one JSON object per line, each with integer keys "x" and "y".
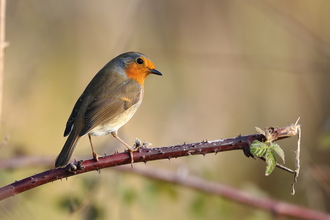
{"x": 108, "y": 106}
{"x": 73, "y": 116}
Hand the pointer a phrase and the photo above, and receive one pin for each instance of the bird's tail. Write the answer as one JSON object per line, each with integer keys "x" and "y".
{"x": 64, "y": 157}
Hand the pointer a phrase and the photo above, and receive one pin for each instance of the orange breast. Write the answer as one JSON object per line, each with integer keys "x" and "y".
{"x": 137, "y": 72}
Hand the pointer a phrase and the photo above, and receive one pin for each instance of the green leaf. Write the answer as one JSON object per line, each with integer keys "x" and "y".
{"x": 277, "y": 149}
{"x": 268, "y": 150}
{"x": 270, "y": 161}
{"x": 258, "y": 148}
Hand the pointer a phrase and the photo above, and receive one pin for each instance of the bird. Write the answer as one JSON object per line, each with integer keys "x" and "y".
{"x": 108, "y": 102}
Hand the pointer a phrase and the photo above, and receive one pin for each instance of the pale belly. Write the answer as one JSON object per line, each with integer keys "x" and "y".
{"x": 115, "y": 123}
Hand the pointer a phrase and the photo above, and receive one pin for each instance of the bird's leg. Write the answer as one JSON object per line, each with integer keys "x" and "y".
{"x": 131, "y": 150}
{"x": 95, "y": 156}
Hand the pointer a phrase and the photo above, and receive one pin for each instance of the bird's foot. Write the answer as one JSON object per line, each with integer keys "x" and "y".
{"x": 137, "y": 146}
{"x": 73, "y": 168}
{"x": 95, "y": 156}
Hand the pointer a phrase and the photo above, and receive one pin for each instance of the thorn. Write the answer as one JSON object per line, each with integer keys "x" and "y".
{"x": 215, "y": 151}
{"x": 169, "y": 158}
{"x": 188, "y": 154}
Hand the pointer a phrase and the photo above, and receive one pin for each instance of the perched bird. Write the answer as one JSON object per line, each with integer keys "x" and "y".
{"x": 108, "y": 102}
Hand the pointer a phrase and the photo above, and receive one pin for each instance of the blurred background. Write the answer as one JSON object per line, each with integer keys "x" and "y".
{"x": 228, "y": 66}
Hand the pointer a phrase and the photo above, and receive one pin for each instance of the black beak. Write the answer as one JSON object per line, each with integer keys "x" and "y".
{"x": 156, "y": 72}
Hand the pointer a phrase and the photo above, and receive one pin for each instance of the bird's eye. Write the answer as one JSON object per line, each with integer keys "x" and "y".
{"x": 139, "y": 61}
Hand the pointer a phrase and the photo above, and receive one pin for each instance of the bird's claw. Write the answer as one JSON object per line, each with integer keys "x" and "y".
{"x": 73, "y": 168}
{"x": 95, "y": 156}
{"x": 137, "y": 146}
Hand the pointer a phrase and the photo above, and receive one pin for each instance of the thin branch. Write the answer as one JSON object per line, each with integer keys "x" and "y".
{"x": 141, "y": 155}
{"x": 277, "y": 208}
{"x": 271, "y": 134}
{"x": 25, "y": 161}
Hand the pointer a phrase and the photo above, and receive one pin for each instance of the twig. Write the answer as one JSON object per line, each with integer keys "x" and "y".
{"x": 183, "y": 179}
{"x": 271, "y": 134}
{"x": 278, "y": 208}
{"x": 141, "y": 155}
{"x": 280, "y": 166}
{"x": 25, "y": 161}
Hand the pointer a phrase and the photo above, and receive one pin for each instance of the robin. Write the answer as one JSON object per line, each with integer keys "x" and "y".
{"x": 108, "y": 102}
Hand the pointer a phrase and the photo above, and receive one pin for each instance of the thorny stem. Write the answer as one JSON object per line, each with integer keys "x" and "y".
{"x": 143, "y": 154}
{"x": 273, "y": 134}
